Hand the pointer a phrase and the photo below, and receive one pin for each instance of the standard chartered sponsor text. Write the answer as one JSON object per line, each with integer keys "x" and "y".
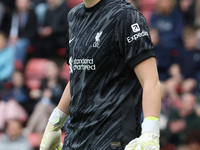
{"x": 82, "y": 64}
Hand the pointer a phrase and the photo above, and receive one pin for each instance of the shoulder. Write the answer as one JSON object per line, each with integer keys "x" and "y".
{"x": 129, "y": 11}
{"x": 176, "y": 13}
{"x": 75, "y": 10}
{"x": 63, "y": 8}
{"x": 7, "y": 50}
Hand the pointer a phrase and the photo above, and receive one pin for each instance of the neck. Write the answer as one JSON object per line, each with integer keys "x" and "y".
{"x": 90, "y": 3}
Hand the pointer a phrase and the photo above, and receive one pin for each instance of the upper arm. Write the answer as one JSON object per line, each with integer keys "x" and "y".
{"x": 146, "y": 71}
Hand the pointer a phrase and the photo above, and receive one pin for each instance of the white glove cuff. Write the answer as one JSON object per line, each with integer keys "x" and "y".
{"x": 58, "y": 118}
{"x": 151, "y": 126}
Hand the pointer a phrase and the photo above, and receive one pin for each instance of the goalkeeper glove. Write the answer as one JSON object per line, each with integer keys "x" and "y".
{"x": 52, "y": 136}
{"x": 149, "y": 140}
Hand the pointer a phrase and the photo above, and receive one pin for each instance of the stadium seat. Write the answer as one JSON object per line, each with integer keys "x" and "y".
{"x": 30, "y": 49}
{"x": 34, "y": 72}
{"x": 73, "y": 3}
{"x": 61, "y": 51}
{"x": 147, "y": 7}
{"x": 148, "y": 4}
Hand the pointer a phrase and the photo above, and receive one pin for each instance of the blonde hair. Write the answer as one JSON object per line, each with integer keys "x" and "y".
{"x": 188, "y": 31}
{"x": 160, "y": 11}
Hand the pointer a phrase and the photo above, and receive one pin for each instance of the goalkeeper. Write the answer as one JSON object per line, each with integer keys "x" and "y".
{"x": 113, "y": 76}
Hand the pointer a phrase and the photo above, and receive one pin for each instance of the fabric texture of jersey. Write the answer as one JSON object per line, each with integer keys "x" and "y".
{"x": 106, "y": 41}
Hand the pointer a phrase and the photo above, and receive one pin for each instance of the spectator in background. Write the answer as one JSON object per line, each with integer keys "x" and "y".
{"x": 162, "y": 53}
{"x": 36, "y": 2}
{"x": 185, "y": 73}
{"x": 23, "y": 28}
{"x": 9, "y": 4}
{"x": 193, "y": 140}
{"x": 190, "y": 60}
{"x": 183, "y": 121}
{"x": 52, "y": 34}
{"x": 18, "y": 91}
{"x": 6, "y": 10}
{"x": 6, "y": 60}
{"x": 40, "y": 8}
{"x": 187, "y": 7}
{"x": 13, "y": 138}
{"x": 169, "y": 23}
{"x": 11, "y": 110}
{"x": 51, "y": 90}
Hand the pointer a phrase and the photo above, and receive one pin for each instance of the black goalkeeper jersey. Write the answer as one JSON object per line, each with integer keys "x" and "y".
{"x": 106, "y": 41}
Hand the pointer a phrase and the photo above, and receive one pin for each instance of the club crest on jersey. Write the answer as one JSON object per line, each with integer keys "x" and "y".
{"x": 97, "y": 39}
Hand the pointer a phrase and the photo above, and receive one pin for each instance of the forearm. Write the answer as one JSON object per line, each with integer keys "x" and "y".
{"x": 65, "y": 100}
{"x": 151, "y": 99}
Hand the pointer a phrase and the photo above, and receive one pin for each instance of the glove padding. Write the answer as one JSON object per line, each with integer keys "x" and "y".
{"x": 147, "y": 141}
{"x": 52, "y": 136}
{"x": 51, "y": 139}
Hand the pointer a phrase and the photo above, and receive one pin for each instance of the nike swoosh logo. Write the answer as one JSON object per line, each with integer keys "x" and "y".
{"x": 71, "y": 40}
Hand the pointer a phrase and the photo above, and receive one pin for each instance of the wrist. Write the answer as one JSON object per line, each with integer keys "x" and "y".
{"x": 58, "y": 118}
{"x": 151, "y": 125}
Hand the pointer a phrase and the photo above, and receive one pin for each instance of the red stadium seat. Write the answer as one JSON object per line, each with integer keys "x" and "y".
{"x": 147, "y": 7}
{"x": 61, "y": 51}
{"x": 148, "y": 4}
{"x": 73, "y": 3}
{"x": 30, "y": 49}
{"x": 34, "y": 72}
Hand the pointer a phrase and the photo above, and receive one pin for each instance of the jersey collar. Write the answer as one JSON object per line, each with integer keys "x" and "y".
{"x": 95, "y": 7}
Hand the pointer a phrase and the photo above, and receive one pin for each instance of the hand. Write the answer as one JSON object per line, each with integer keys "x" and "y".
{"x": 149, "y": 140}
{"x": 45, "y": 32}
{"x": 35, "y": 94}
{"x": 47, "y": 93}
{"x": 52, "y": 136}
{"x": 51, "y": 139}
{"x": 177, "y": 126}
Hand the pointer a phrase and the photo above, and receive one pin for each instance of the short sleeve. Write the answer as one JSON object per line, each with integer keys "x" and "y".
{"x": 133, "y": 38}
{"x": 67, "y": 43}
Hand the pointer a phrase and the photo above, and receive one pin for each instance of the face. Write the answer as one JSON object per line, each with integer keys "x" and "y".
{"x": 188, "y": 103}
{"x": 3, "y": 42}
{"x": 17, "y": 79}
{"x": 185, "y": 4}
{"x": 52, "y": 3}
{"x": 51, "y": 70}
{"x": 190, "y": 42}
{"x": 14, "y": 129}
{"x": 22, "y": 5}
{"x": 165, "y": 5}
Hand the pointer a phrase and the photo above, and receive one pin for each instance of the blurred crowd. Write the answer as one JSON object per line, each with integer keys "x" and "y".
{"x": 33, "y": 72}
